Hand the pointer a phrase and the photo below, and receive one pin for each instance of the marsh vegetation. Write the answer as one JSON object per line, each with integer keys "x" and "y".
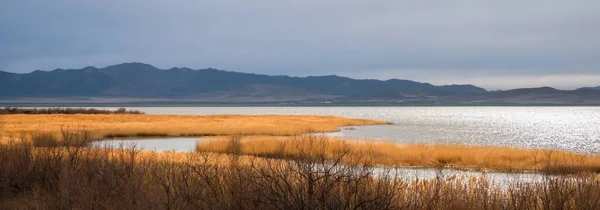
{"x": 54, "y": 169}
{"x": 142, "y": 125}
{"x": 74, "y": 177}
{"x": 389, "y": 154}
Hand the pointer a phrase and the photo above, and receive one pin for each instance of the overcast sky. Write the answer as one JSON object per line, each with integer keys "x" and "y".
{"x": 494, "y": 44}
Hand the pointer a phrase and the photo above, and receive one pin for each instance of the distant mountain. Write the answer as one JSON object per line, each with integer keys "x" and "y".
{"x": 541, "y": 95}
{"x": 593, "y": 88}
{"x": 143, "y": 81}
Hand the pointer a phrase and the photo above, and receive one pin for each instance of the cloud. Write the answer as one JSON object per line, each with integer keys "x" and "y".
{"x": 467, "y": 39}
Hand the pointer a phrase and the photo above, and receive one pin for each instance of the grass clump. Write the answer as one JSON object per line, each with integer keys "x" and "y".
{"x": 67, "y": 137}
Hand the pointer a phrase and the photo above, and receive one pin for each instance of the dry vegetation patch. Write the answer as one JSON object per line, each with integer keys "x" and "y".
{"x": 109, "y": 125}
{"x": 48, "y": 167}
{"x": 385, "y": 153}
{"x": 85, "y": 178}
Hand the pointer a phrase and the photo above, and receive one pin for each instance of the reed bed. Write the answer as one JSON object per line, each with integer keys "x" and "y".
{"x": 383, "y": 153}
{"x": 53, "y": 169}
{"x": 71, "y": 177}
{"x": 108, "y": 126}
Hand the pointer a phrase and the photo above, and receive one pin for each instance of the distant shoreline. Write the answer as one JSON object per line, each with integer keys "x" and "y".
{"x": 179, "y": 102}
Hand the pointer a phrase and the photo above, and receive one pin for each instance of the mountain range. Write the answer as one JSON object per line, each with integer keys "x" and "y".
{"x": 144, "y": 81}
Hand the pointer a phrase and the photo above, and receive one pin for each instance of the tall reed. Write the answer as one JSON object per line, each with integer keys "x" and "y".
{"x": 383, "y": 153}
{"x": 119, "y": 125}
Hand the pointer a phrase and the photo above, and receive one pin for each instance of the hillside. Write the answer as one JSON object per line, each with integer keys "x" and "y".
{"x": 143, "y": 80}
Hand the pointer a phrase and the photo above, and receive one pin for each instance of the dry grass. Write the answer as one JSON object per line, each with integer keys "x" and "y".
{"x": 85, "y": 178}
{"x": 418, "y": 155}
{"x": 105, "y": 126}
{"x": 303, "y": 173}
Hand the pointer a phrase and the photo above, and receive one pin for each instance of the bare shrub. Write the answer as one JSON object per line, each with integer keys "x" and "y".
{"x": 69, "y": 136}
{"x": 44, "y": 140}
{"x": 234, "y": 145}
{"x": 316, "y": 179}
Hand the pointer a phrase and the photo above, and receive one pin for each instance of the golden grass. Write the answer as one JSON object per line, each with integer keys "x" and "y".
{"x": 414, "y": 155}
{"x": 105, "y": 126}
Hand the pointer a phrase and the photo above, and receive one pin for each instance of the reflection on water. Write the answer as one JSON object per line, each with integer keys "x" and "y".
{"x": 501, "y": 179}
{"x": 570, "y": 128}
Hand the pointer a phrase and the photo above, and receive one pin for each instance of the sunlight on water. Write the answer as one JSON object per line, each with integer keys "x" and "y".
{"x": 157, "y": 144}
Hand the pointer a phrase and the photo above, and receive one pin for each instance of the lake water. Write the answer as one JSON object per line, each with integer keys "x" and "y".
{"x": 154, "y": 144}
{"x": 568, "y": 128}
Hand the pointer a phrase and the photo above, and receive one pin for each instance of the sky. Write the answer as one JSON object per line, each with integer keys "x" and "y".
{"x": 493, "y": 44}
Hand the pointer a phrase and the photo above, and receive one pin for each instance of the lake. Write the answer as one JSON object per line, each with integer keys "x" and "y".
{"x": 568, "y": 128}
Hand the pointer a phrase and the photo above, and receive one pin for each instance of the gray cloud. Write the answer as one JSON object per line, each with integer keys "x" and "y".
{"x": 495, "y": 44}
